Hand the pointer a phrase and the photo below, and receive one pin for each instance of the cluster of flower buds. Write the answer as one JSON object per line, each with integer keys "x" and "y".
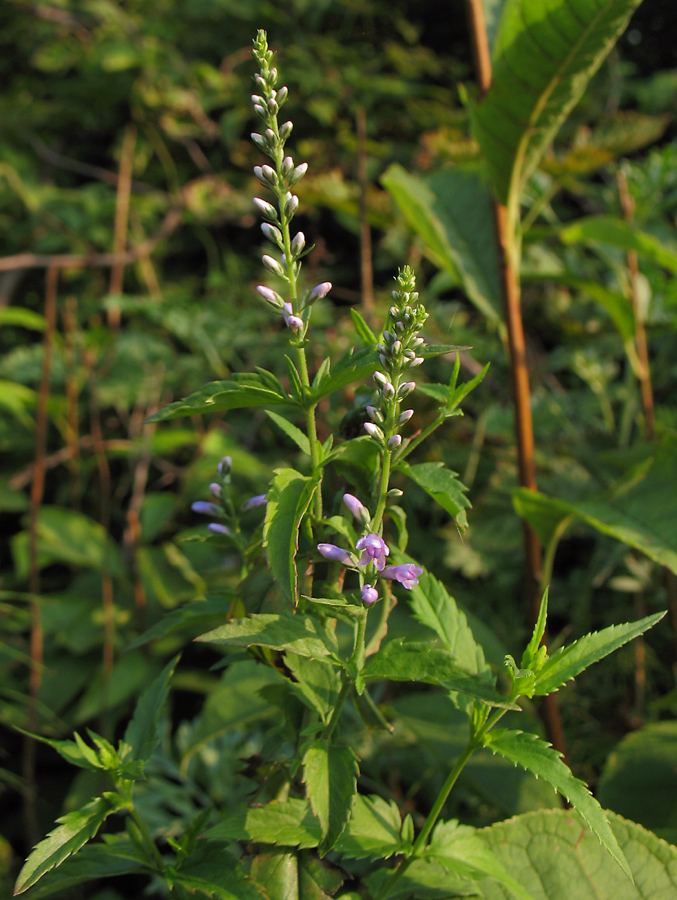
{"x": 398, "y": 353}
{"x": 223, "y": 508}
{"x": 280, "y": 178}
{"x": 373, "y": 552}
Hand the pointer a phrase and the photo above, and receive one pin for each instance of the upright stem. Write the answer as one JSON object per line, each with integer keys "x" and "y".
{"x": 383, "y": 491}
{"x": 366, "y": 267}
{"x": 507, "y": 244}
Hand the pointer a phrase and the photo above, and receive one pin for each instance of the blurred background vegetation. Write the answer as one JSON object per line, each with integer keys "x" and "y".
{"x": 130, "y": 253}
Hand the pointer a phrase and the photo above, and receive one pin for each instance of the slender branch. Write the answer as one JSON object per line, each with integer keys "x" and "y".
{"x": 124, "y": 186}
{"x": 366, "y": 266}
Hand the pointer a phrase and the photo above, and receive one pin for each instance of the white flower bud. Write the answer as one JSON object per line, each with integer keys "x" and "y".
{"x": 405, "y": 416}
{"x": 272, "y": 106}
{"x": 273, "y": 234}
{"x": 282, "y": 95}
{"x": 409, "y": 354}
{"x": 291, "y": 202}
{"x": 405, "y": 389}
{"x": 257, "y": 99}
{"x": 388, "y": 391}
{"x": 298, "y": 243}
{"x": 266, "y": 209}
{"x": 375, "y": 414}
{"x": 396, "y": 348}
{"x": 374, "y": 431}
{"x": 287, "y": 165}
{"x": 394, "y": 442}
{"x": 380, "y": 378}
{"x": 266, "y": 175}
{"x": 270, "y": 296}
{"x": 297, "y": 174}
{"x": 271, "y": 137}
{"x": 285, "y": 130}
{"x": 273, "y": 266}
{"x": 259, "y": 140}
{"x": 319, "y": 291}
{"x": 260, "y": 111}
{"x": 416, "y": 343}
{"x": 417, "y": 361}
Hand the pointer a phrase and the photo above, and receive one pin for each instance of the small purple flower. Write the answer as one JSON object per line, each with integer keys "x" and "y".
{"x": 407, "y": 574}
{"x": 253, "y": 502}
{"x": 331, "y": 551}
{"x": 369, "y": 595}
{"x": 216, "y": 528}
{"x": 374, "y": 549}
{"x": 319, "y": 291}
{"x": 225, "y": 466}
{"x": 292, "y": 321}
{"x": 215, "y": 489}
{"x": 270, "y": 296}
{"x": 357, "y": 509}
{"x": 206, "y": 509}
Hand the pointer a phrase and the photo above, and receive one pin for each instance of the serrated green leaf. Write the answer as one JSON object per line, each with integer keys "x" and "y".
{"x": 75, "y": 829}
{"x": 330, "y": 773}
{"x": 277, "y": 872}
{"x": 373, "y": 830}
{"x": 619, "y": 233}
{"x": 143, "y": 732}
{"x": 432, "y": 606}
{"x": 289, "y": 497}
{"x": 288, "y": 823}
{"x": 538, "y": 757}
{"x": 401, "y": 660}
{"x": 567, "y": 662}
{"x": 354, "y": 365}
{"x": 211, "y": 870}
{"x": 462, "y": 851}
{"x": 451, "y": 211}
{"x": 317, "y": 682}
{"x": 641, "y": 515}
{"x": 555, "y": 858}
{"x": 442, "y": 485}
{"x": 292, "y": 432}
{"x": 545, "y": 54}
{"x": 301, "y": 634}
{"x": 71, "y": 751}
{"x": 243, "y": 391}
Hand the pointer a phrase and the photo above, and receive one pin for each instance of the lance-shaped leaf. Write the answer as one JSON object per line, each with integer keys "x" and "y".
{"x": 244, "y": 390}
{"x": 329, "y": 773}
{"x": 545, "y": 54}
{"x": 288, "y": 499}
{"x": 75, "y": 829}
{"x": 538, "y": 757}
{"x": 302, "y": 634}
{"x": 432, "y": 606}
{"x": 211, "y": 871}
{"x": 618, "y": 233}
{"x": 401, "y": 660}
{"x": 143, "y": 732}
{"x": 354, "y": 365}
{"x": 442, "y": 485}
{"x": 641, "y": 515}
{"x": 293, "y": 433}
{"x": 451, "y": 211}
{"x": 567, "y": 662}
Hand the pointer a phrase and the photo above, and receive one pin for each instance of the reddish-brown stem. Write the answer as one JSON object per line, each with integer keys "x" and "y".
{"x": 510, "y": 288}
{"x": 366, "y": 267}
{"x": 37, "y": 494}
{"x": 124, "y": 187}
{"x": 72, "y": 412}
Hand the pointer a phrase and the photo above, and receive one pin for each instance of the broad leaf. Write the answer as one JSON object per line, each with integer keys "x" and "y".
{"x": 642, "y": 515}
{"x": 555, "y": 858}
{"x": 618, "y": 233}
{"x": 545, "y": 54}
{"x": 639, "y": 779}
{"x": 354, "y": 365}
{"x": 451, "y": 211}
{"x": 302, "y": 634}
{"x": 317, "y": 682}
{"x": 75, "y": 829}
{"x": 538, "y": 757}
{"x": 401, "y": 660}
{"x": 188, "y": 620}
{"x": 460, "y": 849}
{"x": 432, "y": 606}
{"x": 374, "y": 830}
{"x": 442, "y": 485}
{"x": 143, "y": 732}
{"x": 567, "y": 662}
{"x": 212, "y": 871}
{"x": 243, "y": 391}
{"x": 289, "y": 823}
{"x": 364, "y": 332}
{"x": 293, "y": 433}
{"x": 288, "y": 499}
{"x": 329, "y": 773}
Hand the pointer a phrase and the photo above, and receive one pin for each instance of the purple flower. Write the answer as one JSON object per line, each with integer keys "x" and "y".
{"x": 215, "y": 489}
{"x": 216, "y": 528}
{"x": 253, "y": 502}
{"x": 225, "y": 465}
{"x": 206, "y": 509}
{"x": 319, "y": 291}
{"x": 357, "y": 509}
{"x": 331, "y": 551}
{"x": 407, "y": 574}
{"x": 373, "y": 548}
{"x": 369, "y": 595}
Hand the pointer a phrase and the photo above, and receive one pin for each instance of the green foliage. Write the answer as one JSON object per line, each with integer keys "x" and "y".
{"x": 329, "y": 773}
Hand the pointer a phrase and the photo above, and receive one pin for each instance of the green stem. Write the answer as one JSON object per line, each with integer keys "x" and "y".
{"x": 148, "y": 840}
{"x": 413, "y": 444}
{"x": 383, "y": 491}
{"x": 336, "y": 714}
{"x": 355, "y": 663}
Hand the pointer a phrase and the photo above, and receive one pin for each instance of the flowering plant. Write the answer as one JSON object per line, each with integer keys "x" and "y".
{"x": 309, "y": 827}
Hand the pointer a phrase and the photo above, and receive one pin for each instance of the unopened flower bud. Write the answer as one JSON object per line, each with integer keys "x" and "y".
{"x": 396, "y": 493}
{"x": 260, "y": 81}
{"x": 331, "y": 551}
{"x": 266, "y": 209}
{"x": 375, "y": 414}
{"x": 380, "y": 378}
{"x": 417, "y": 361}
{"x": 282, "y": 95}
{"x": 253, "y": 502}
{"x": 409, "y": 354}
{"x": 260, "y": 141}
{"x": 272, "y": 265}
{"x": 405, "y": 416}
{"x": 292, "y": 321}
{"x": 319, "y": 291}
{"x": 394, "y": 442}
{"x": 272, "y": 106}
{"x": 405, "y": 389}
{"x": 374, "y": 431}
{"x": 291, "y": 202}
{"x": 357, "y": 508}
{"x": 272, "y": 76}
{"x": 270, "y": 296}
{"x": 388, "y": 391}
{"x": 298, "y": 243}
{"x": 266, "y": 175}
{"x": 285, "y": 130}
{"x": 273, "y": 234}
{"x": 271, "y": 137}
{"x": 258, "y": 99}
{"x": 215, "y": 489}
{"x": 206, "y": 509}
{"x": 287, "y": 165}
{"x": 416, "y": 343}
{"x": 369, "y": 595}
{"x": 217, "y": 528}
{"x": 297, "y": 174}
{"x": 385, "y": 362}
{"x": 260, "y": 111}
{"x": 225, "y": 466}
{"x": 396, "y": 348}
